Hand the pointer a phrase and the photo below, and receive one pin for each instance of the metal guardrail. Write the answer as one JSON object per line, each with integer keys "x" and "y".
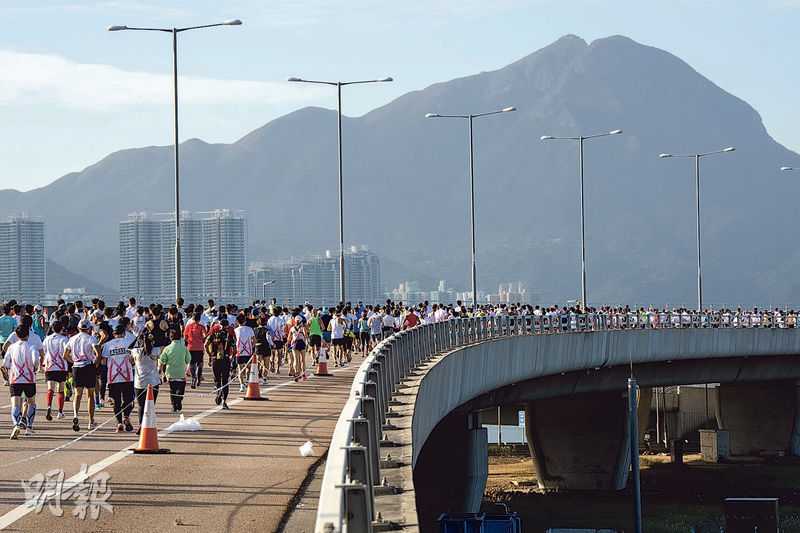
{"x": 346, "y": 503}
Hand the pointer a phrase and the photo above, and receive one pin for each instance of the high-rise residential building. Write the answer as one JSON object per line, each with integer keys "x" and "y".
{"x": 213, "y": 256}
{"x": 22, "y": 261}
{"x": 316, "y": 280}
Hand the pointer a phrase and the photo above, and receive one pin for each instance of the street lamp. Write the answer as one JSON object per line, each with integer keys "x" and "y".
{"x": 472, "y": 182}
{"x": 697, "y": 190}
{"x": 339, "y": 85}
{"x": 580, "y": 156}
{"x": 175, "y": 32}
{"x": 264, "y": 288}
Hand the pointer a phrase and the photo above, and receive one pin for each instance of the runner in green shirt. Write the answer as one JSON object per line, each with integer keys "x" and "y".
{"x": 174, "y": 359}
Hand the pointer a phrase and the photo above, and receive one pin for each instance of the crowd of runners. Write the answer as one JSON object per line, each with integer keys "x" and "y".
{"x": 111, "y": 355}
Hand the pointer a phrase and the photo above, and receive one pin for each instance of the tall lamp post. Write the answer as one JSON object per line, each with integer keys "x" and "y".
{"x": 580, "y": 140}
{"x": 264, "y": 288}
{"x": 175, "y": 32}
{"x": 472, "y": 183}
{"x": 339, "y": 85}
{"x": 697, "y": 191}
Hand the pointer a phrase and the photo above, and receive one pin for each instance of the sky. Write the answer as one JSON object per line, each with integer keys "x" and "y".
{"x": 72, "y": 92}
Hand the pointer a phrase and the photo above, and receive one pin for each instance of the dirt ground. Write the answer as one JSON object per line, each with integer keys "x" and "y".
{"x": 674, "y": 496}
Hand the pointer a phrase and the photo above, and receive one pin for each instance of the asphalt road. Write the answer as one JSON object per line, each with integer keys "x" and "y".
{"x": 240, "y": 472}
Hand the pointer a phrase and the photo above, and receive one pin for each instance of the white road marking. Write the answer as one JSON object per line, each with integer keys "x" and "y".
{"x": 22, "y": 510}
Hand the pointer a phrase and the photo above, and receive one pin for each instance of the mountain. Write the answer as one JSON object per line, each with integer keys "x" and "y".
{"x": 59, "y": 278}
{"x": 406, "y": 184}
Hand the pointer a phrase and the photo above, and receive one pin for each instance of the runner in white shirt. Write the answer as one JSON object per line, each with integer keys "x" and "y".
{"x": 22, "y": 361}
{"x": 245, "y": 339}
{"x": 55, "y": 368}
{"x": 117, "y": 357}
{"x": 337, "y": 327}
{"x": 80, "y": 351}
{"x": 275, "y": 325}
{"x": 130, "y": 311}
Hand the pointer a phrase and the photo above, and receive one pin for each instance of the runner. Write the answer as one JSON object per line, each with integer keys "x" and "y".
{"x": 22, "y": 362}
{"x": 275, "y": 324}
{"x": 263, "y": 343}
{"x": 218, "y": 348}
{"x": 195, "y": 335}
{"x": 364, "y": 333}
{"x": 174, "y": 359}
{"x": 299, "y": 341}
{"x": 80, "y": 351}
{"x": 55, "y": 368}
{"x": 146, "y": 361}
{"x": 116, "y": 353}
{"x": 315, "y": 334}
{"x": 337, "y": 327}
{"x": 244, "y": 347}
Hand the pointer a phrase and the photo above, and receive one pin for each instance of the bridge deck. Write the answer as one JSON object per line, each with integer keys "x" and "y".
{"x": 239, "y": 473}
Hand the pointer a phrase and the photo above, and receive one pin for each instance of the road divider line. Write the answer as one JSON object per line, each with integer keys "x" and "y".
{"x": 22, "y": 510}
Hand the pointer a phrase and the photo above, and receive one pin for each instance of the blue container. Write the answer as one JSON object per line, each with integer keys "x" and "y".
{"x": 462, "y": 523}
{"x": 502, "y": 523}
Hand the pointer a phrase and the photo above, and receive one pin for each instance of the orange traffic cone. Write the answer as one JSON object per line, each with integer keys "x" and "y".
{"x": 253, "y": 388}
{"x": 148, "y": 437}
{"x": 322, "y": 365}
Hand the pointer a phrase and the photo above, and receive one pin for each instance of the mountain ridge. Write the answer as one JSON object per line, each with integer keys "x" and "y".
{"x": 406, "y": 183}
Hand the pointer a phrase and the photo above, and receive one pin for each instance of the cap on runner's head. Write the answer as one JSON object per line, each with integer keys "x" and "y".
{"x": 97, "y": 313}
{"x": 84, "y": 324}
{"x": 325, "y": 309}
{"x": 37, "y": 308}
{"x": 118, "y": 329}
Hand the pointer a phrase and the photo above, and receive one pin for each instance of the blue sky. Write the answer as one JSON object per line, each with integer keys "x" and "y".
{"x": 72, "y": 92}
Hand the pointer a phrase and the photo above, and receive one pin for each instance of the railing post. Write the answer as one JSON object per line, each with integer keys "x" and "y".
{"x": 357, "y": 509}
{"x": 368, "y": 433}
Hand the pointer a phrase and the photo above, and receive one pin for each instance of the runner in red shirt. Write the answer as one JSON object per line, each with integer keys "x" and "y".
{"x": 195, "y": 336}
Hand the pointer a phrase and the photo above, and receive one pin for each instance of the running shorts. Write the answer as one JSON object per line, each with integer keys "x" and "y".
{"x": 243, "y": 359}
{"x": 84, "y": 376}
{"x": 364, "y": 336}
{"x": 56, "y": 375}
{"x": 28, "y": 388}
{"x": 315, "y": 341}
{"x": 337, "y": 342}
{"x": 299, "y": 346}
{"x": 278, "y": 345}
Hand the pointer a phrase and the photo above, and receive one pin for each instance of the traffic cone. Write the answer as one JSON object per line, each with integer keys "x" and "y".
{"x": 148, "y": 437}
{"x": 253, "y": 388}
{"x": 322, "y": 365}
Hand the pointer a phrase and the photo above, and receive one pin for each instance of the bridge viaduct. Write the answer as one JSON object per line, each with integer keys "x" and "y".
{"x": 419, "y": 395}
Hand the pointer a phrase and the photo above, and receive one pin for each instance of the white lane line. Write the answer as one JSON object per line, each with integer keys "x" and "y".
{"x": 22, "y": 510}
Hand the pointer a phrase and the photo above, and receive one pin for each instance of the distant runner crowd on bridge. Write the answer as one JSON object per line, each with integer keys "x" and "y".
{"x": 112, "y": 354}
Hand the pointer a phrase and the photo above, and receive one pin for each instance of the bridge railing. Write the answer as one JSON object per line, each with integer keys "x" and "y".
{"x": 352, "y": 469}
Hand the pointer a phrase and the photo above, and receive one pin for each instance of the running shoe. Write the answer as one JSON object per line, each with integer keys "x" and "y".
{"x": 102, "y": 402}
{"x": 60, "y": 415}
{"x": 304, "y": 377}
{"x": 98, "y": 406}
{"x": 23, "y": 423}
{"x": 225, "y": 405}
{"x": 194, "y": 383}
{"x": 128, "y": 425}
{"x": 92, "y": 424}
{"x": 110, "y": 402}
{"x": 241, "y": 387}
{"x": 75, "y": 426}
{"x": 265, "y": 382}
{"x": 218, "y": 399}
{"x": 14, "y": 432}
{"x": 30, "y": 431}
{"x": 119, "y": 429}
{"x": 49, "y": 414}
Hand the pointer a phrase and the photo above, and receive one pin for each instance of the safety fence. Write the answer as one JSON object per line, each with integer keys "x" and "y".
{"x": 352, "y": 470}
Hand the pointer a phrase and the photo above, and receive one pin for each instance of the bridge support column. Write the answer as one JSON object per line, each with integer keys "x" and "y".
{"x": 761, "y": 416}
{"x": 451, "y": 471}
{"x": 579, "y": 441}
{"x": 645, "y": 402}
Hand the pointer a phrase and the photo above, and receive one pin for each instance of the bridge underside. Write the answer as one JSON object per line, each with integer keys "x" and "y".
{"x": 576, "y": 426}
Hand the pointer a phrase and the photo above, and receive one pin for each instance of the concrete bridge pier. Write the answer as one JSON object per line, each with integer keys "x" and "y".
{"x": 579, "y": 441}
{"x": 451, "y": 471}
{"x": 761, "y": 416}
